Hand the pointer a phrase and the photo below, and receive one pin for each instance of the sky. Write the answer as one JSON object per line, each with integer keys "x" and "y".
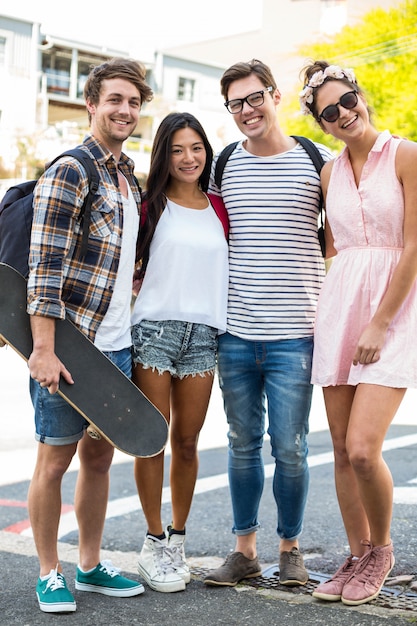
{"x": 135, "y": 26}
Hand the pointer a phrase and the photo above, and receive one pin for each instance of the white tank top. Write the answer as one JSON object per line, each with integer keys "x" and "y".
{"x": 187, "y": 275}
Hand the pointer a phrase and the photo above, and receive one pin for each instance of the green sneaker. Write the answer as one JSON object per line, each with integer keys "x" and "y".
{"x": 54, "y": 595}
{"x": 106, "y": 579}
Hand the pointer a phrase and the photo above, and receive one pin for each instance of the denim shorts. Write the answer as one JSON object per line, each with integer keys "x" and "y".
{"x": 56, "y": 422}
{"x": 180, "y": 348}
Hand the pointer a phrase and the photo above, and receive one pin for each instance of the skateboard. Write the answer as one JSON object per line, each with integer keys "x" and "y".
{"x": 115, "y": 408}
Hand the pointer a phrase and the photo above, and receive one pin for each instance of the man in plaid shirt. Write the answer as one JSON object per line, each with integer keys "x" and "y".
{"x": 94, "y": 291}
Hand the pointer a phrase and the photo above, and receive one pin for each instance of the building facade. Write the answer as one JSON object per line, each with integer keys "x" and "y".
{"x": 42, "y": 110}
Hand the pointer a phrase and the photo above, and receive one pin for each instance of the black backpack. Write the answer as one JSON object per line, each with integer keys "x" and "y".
{"x": 312, "y": 151}
{"x": 16, "y": 214}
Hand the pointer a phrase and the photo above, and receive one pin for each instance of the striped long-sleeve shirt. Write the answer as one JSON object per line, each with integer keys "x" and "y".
{"x": 275, "y": 263}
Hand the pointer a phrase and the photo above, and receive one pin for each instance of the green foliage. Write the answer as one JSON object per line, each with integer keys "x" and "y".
{"x": 382, "y": 51}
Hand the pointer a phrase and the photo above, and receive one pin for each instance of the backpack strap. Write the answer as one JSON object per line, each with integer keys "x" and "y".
{"x": 318, "y": 162}
{"x": 221, "y": 162}
{"x": 93, "y": 184}
{"x": 221, "y": 212}
{"x": 143, "y": 212}
{"x": 312, "y": 151}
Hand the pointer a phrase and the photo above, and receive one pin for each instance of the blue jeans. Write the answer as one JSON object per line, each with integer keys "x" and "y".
{"x": 251, "y": 372}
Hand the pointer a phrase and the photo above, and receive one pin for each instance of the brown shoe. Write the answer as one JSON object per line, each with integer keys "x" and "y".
{"x": 291, "y": 568}
{"x": 235, "y": 568}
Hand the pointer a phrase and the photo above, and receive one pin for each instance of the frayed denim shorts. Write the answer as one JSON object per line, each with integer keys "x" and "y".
{"x": 180, "y": 348}
{"x": 56, "y": 422}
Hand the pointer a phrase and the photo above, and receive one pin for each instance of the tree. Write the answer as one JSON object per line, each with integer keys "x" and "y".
{"x": 381, "y": 49}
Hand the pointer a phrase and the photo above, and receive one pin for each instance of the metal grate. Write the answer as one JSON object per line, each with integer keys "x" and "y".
{"x": 399, "y": 597}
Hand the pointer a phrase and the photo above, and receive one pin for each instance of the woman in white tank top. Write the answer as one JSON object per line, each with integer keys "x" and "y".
{"x": 178, "y": 313}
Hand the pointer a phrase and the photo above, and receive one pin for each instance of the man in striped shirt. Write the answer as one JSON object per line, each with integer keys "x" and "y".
{"x": 271, "y": 190}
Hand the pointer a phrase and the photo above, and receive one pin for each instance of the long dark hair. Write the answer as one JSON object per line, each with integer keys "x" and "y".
{"x": 159, "y": 176}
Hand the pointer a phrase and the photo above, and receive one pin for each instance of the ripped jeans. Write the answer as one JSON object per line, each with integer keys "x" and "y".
{"x": 278, "y": 372}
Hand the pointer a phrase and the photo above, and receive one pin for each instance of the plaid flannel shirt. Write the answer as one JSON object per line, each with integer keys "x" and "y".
{"x": 61, "y": 283}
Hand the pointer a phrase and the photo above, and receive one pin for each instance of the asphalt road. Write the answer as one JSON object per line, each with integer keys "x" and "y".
{"x": 209, "y": 538}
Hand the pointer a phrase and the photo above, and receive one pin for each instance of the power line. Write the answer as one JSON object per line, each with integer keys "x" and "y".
{"x": 382, "y": 50}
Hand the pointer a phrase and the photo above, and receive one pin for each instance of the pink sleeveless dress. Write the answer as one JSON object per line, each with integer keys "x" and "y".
{"x": 367, "y": 225}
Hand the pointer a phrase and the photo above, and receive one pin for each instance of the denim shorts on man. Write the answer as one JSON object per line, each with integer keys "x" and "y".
{"x": 180, "y": 348}
{"x": 56, "y": 422}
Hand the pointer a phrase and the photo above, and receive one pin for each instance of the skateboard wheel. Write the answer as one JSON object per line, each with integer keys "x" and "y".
{"x": 93, "y": 433}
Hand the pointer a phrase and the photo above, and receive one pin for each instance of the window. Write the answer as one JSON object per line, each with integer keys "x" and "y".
{"x": 57, "y": 66}
{"x": 83, "y": 71}
{"x": 186, "y": 89}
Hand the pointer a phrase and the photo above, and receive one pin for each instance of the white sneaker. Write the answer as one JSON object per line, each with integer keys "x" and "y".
{"x": 176, "y": 547}
{"x": 156, "y": 566}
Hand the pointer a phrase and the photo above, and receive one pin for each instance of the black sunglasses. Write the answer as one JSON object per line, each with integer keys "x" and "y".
{"x": 331, "y": 113}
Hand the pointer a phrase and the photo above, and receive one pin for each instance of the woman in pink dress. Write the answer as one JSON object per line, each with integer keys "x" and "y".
{"x": 366, "y": 318}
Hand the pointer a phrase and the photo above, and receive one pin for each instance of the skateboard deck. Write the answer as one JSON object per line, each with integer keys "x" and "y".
{"x": 105, "y": 397}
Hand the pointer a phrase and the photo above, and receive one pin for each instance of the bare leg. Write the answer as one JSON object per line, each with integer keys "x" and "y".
{"x": 338, "y": 402}
{"x": 189, "y": 398}
{"x": 91, "y": 497}
{"x": 44, "y": 501}
{"x": 149, "y": 472}
{"x": 246, "y": 544}
{"x": 373, "y": 410}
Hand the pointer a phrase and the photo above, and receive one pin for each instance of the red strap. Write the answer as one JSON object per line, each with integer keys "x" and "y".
{"x": 221, "y": 212}
{"x": 217, "y": 204}
{"x": 143, "y": 213}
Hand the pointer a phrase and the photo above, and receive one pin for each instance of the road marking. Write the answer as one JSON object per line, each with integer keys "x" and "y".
{"x": 19, "y": 528}
{"x": 14, "y": 503}
{"x": 124, "y": 506}
{"x": 406, "y": 495}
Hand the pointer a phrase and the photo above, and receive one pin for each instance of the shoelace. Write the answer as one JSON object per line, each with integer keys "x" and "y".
{"x": 177, "y": 557}
{"x": 294, "y": 558}
{"x": 344, "y": 572}
{"x": 108, "y": 568}
{"x": 369, "y": 560}
{"x": 164, "y": 560}
{"x": 55, "y": 581}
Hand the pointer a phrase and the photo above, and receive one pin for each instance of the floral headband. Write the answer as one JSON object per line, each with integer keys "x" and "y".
{"x": 332, "y": 71}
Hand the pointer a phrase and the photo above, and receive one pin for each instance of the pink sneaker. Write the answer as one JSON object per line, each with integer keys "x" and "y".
{"x": 370, "y": 573}
{"x": 331, "y": 590}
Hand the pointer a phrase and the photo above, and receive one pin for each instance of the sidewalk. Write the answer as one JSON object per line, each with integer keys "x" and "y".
{"x": 263, "y": 601}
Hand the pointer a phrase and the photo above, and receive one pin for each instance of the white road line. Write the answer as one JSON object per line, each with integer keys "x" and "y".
{"x": 124, "y": 506}
{"x": 405, "y": 495}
